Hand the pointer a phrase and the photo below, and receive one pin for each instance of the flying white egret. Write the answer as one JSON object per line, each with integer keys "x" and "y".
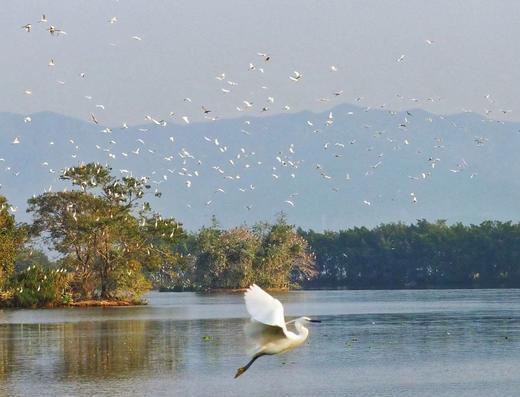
{"x": 267, "y": 329}
{"x": 296, "y": 76}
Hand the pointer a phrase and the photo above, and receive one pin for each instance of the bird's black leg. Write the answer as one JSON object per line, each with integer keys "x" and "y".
{"x": 243, "y": 369}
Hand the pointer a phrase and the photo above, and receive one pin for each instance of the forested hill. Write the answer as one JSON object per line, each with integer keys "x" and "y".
{"x": 421, "y": 255}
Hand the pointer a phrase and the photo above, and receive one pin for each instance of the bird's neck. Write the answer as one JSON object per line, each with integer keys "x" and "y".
{"x": 302, "y": 331}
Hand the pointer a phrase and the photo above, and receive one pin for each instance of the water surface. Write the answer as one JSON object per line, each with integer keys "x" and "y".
{"x": 370, "y": 343}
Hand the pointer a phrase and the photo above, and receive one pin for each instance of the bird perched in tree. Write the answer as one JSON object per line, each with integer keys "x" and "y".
{"x": 267, "y": 330}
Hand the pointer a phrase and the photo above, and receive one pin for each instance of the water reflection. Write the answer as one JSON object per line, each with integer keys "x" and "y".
{"x": 6, "y": 351}
{"x": 104, "y": 349}
{"x": 113, "y": 349}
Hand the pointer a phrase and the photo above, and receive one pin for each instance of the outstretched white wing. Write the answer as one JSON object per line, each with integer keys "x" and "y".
{"x": 267, "y": 323}
{"x": 263, "y": 308}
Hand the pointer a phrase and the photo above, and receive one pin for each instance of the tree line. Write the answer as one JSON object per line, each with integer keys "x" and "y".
{"x": 110, "y": 245}
{"x": 272, "y": 255}
{"x": 421, "y": 255}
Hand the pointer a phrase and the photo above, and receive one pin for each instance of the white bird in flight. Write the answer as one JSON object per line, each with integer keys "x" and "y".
{"x": 54, "y": 30}
{"x": 296, "y": 76}
{"x": 267, "y": 329}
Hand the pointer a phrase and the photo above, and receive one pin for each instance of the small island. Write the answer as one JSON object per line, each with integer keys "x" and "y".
{"x": 110, "y": 248}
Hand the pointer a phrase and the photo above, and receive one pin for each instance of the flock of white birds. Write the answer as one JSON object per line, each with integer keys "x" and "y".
{"x": 187, "y": 165}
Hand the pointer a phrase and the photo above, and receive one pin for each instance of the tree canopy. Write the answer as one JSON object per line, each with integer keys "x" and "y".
{"x": 108, "y": 235}
{"x": 421, "y": 255}
{"x": 272, "y": 255}
{"x": 12, "y": 238}
{"x": 112, "y": 245}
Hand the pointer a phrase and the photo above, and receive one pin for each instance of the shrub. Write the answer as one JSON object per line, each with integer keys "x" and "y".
{"x": 38, "y": 287}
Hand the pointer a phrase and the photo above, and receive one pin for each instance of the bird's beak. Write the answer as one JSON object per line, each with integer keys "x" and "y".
{"x": 315, "y": 321}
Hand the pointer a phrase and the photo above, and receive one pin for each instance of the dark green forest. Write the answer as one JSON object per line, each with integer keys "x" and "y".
{"x": 421, "y": 255}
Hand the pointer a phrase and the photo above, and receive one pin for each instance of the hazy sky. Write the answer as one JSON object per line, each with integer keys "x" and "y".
{"x": 185, "y": 44}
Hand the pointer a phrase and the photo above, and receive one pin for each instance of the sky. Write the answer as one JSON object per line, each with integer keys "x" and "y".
{"x": 471, "y": 62}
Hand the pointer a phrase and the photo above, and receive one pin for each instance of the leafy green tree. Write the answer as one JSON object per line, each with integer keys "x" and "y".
{"x": 32, "y": 257}
{"x": 284, "y": 259}
{"x": 274, "y": 256}
{"x": 106, "y": 232}
{"x": 179, "y": 276}
{"x": 12, "y": 239}
{"x": 226, "y": 258}
{"x": 38, "y": 286}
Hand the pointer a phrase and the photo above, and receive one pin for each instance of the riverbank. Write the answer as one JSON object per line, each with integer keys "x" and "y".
{"x": 81, "y": 303}
{"x": 106, "y": 303}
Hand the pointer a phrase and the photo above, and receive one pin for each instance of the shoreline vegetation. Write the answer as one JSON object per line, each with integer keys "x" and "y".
{"x": 111, "y": 248}
{"x": 105, "y": 303}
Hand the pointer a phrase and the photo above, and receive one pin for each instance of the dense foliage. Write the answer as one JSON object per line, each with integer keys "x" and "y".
{"x": 39, "y": 286}
{"x": 422, "y": 255}
{"x": 106, "y": 234}
{"x": 272, "y": 255}
{"x": 112, "y": 246}
{"x": 12, "y": 238}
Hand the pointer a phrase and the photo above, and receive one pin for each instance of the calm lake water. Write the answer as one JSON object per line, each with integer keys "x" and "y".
{"x": 370, "y": 343}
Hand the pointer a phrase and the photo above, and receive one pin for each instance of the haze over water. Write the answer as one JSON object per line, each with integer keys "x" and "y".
{"x": 384, "y": 343}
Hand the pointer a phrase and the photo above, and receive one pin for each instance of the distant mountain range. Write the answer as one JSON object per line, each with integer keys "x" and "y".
{"x": 345, "y": 167}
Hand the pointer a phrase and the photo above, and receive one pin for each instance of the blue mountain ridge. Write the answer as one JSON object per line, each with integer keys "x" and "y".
{"x": 362, "y": 170}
